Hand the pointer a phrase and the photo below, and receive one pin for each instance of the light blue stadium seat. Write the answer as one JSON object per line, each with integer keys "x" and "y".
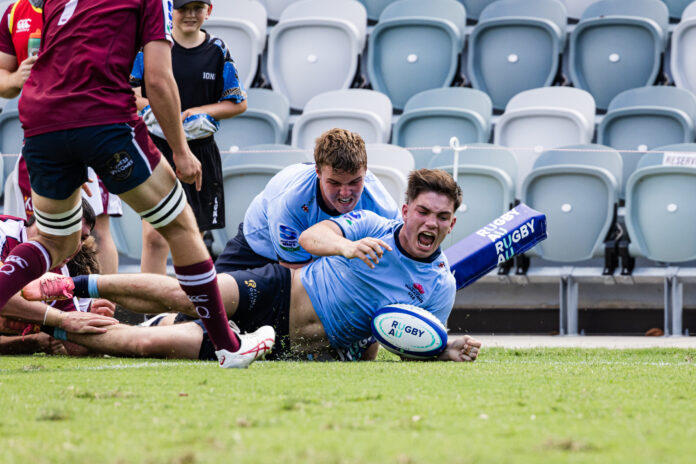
{"x": 487, "y": 175}
{"x": 544, "y": 118}
{"x": 683, "y": 50}
{"x": 475, "y": 7}
{"x": 676, "y": 7}
{"x": 577, "y": 188}
{"x": 391, "y": 164}
{"x": 516, "y": 46}
{"x": 575, "y": 8}
{"x": 266, "y": 120}
{"x": 647, "y": 117}
{"x": 13, "y": 203}
{"x": 375, "y": 7}
{"x": 415, "y": 47}
{"x": 245, "y": 175}
{"x": 432, "y": 117}
{"x": 617, "y": 45}
{"x": 366, "y": 112}
{"x": 241, "y": 24}
{"x": 315, "y": 48}
{"x": 660, "y": 207}
{"x": 11, "y": 132}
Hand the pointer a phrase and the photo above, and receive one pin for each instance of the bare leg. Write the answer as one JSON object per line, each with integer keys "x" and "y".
{"x": 155, "y": 251}
{"x": 107, "y": 255}
{"x": 179, "y": 341}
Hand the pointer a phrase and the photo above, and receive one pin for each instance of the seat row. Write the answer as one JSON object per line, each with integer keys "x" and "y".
{"x": 317, "y": 46}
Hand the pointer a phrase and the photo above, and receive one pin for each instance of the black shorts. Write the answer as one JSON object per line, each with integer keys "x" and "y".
{"x": 264, "y": 299}
{"x": 209, "y": 204}
{"x": 121, "y": 154}
{"x": 238, "y": 255}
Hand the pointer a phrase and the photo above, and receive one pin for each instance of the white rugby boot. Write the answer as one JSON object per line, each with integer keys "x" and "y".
{"x": 253, "y": 346}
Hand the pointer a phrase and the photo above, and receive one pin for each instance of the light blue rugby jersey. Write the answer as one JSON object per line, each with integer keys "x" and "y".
{"x": 291, "y": 203}
{"x": 346, "y": 293}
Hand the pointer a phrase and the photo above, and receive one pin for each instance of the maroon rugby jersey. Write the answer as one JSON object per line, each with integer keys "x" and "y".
{"x": 87, "y": 52}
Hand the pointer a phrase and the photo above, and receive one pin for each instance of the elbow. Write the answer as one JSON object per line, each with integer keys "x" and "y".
{"x": 304, "y": 240}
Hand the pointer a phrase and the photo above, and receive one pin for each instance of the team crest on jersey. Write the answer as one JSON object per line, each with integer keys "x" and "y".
{"x": 120, "y": 166}
{"x": 415, "y": 291}
{"x": 289, "y": 238}
{"x": 352, "y": 216}
{"x": 305, "y": 208}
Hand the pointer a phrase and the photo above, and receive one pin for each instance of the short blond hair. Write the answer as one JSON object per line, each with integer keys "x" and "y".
{"x": 341, "y": 149}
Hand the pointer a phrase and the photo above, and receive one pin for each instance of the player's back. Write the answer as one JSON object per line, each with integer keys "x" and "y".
{"x": 86, "y": 55}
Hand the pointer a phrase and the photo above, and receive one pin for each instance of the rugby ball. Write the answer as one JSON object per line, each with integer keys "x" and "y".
{"x": 409, "y": 331}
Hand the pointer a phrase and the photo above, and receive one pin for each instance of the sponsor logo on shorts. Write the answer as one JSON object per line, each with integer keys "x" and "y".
{"x": 250, "y": 283}
{"x": 253, "y": 292}
{"x": 120, "y": 166}
{"x": 203, "y": 312}
{"x": 289, "y": 238}
{"x": 215, "y": 211}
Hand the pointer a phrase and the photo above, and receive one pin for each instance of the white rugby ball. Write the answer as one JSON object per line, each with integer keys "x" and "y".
{"x": 409, "y": 331}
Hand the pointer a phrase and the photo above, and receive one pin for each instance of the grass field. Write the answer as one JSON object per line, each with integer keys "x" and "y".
{"x": 511, "y": 406}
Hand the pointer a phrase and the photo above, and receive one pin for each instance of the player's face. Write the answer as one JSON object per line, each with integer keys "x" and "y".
{"x": 84, "y": 235}
{"x": 428, "y": 219}
{"x": 190, "y": 17}
{"x": 341, "y": 190}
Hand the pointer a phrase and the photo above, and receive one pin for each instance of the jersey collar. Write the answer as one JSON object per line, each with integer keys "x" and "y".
{"x": 429, "y": 259}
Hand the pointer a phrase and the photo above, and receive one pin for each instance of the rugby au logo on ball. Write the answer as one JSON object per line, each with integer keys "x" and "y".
{"x": 409, "y": 331}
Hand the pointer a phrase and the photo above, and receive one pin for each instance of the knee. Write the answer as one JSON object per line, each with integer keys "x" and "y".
{"x": 145, "y": 345}
{"x": 101, "y": 229}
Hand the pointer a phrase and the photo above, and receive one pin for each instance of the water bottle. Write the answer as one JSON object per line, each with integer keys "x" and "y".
{"x": 34, "y": 43}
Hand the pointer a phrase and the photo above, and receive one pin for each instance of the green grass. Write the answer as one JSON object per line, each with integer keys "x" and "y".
{"x": 511, "y": 406}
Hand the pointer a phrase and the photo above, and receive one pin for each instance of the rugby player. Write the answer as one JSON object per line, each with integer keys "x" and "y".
{"x": 78, "y": 110}
{"x": 323, "y": 309}
{"x": 302, "y": 195}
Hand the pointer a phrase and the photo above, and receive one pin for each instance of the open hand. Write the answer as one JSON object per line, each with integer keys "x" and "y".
{"x": 368, "y": 249}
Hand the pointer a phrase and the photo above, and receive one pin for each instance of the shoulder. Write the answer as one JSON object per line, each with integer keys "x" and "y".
{"x": 219, "y": 45}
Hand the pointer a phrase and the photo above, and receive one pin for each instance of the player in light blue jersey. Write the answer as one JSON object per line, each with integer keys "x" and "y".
{"x": 302, "y": 195}
{"x": 326, "y": 307}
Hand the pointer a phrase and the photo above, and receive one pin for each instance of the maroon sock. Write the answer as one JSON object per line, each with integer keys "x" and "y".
{"x": 26, "y": 262}
{"x": 199, "y": 281}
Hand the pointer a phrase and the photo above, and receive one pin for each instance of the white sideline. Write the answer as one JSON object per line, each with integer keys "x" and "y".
{"x": 588, "y": 341}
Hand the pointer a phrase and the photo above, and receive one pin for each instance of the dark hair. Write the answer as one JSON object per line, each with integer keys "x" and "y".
{"x": 85, "y": 261}
{"x": 433, "y": 180}
{"x": 341, "y": 149}
{"x": 87, "y": 214}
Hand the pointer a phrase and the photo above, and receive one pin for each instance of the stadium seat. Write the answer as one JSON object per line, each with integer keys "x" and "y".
{"x": 475, "y": 7}
{"x": 366, "y": 112}
{"x": 432, "y": 117}
{"x": 578, "y": 190}
{"x": 315, "y": 48}
{"x": 647, "y": 117}
{"x": 241, "y": 24}
{"x": 544, "y": 118}
{"x": 13, "y": 203}
{"x": 266, "y": 120}
{"x": 391, "y": 164}
{"x": 617, "y": 45}
{"x": 11, "y": 132}
{"x": 487, "y": 175}
{"x": 245, "y": 174}
{"x": 415, "y": 47}
{"x": 676, "y": 7}
{"x": 516, "y": 46}
{"x": 661, "y": 222}
{"x": 375, "y": 7}
{"x": 660, "y": 211}
{"x": 683, "y": 49}
{"x": 575, "y": 8}
{"x": 274, "y": 8}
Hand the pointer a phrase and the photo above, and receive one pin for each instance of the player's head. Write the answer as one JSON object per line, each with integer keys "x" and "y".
{"x": 88, "y": 221}
{"x": 432, "y": 197}
{"x": 341, "y": 164}
{"x": 188, "y": 16}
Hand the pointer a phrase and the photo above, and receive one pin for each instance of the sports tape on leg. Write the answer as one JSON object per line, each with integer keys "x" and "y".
{"x": 513, "y": 233}
{"x": 168, "y": 209}
{"x": 61, "y": 224}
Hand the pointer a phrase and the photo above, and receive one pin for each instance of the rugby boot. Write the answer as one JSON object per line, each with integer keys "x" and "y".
{"x": 49, "y": 287}
{"x": 253, "y": 346}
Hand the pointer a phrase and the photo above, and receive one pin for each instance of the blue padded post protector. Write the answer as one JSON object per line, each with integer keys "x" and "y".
{"x": 513, "y": 233}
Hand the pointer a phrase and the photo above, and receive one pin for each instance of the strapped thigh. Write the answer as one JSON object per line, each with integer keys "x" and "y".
{"x": 168, "y": 209}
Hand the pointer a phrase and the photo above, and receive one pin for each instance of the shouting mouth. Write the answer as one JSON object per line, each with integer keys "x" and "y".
{"x": 426, "y": 240}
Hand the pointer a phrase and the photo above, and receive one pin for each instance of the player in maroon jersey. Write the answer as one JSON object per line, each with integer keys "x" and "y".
{"x": 78, "y": 110}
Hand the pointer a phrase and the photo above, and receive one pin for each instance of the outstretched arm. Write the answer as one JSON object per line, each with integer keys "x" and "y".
{"x": 326, "y": 239}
